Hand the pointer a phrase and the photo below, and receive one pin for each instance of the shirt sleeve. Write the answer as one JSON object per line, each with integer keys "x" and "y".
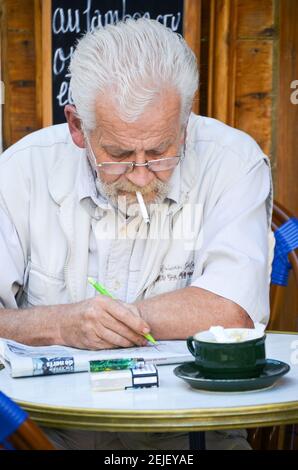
{"x": 11, "y": 262}
{"x": 232, "y": 260}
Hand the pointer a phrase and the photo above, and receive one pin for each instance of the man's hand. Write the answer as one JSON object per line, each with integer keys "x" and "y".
{"x": 102, "y": 323}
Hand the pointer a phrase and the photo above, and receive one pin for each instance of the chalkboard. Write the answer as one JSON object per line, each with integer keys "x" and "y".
{"x": 70, "y": 19}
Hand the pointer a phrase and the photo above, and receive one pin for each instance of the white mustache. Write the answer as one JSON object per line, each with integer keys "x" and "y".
{"x": 157, "y": 189}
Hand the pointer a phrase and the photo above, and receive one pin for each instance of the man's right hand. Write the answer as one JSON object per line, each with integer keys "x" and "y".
{"x": 101, "y": 323}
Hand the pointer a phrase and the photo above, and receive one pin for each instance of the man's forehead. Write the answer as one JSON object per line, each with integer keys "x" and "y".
{"x": 156, "y": 128}
{"x": 159, "y": 121}
{"x": 131, "y": 146}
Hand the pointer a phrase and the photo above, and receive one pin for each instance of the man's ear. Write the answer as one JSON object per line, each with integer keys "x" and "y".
{"x": 75, "y": 126}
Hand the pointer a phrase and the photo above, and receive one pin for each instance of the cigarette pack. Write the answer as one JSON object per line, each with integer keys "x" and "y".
{"x": 137, "y": 376}
{"x": 103, "y": 365}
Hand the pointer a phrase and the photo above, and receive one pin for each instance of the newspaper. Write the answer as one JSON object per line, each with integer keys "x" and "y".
{"x": 47, "y": 360}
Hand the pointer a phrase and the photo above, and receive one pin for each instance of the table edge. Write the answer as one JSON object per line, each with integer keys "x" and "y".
{"x": 206, "y": 419}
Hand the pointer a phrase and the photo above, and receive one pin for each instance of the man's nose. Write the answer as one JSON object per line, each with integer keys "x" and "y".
{"x": 140, "y": 175}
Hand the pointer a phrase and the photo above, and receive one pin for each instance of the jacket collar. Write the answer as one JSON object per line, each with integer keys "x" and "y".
{"x": 64, "y": 174}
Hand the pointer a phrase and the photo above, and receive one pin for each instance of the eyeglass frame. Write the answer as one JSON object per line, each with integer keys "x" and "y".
{"x": 134, "y": 164}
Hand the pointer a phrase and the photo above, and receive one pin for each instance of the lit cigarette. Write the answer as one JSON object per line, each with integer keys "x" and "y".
{"x": 143, "y": 207}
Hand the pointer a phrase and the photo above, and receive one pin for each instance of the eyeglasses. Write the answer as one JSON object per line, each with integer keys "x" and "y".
{"x": 121, "y": 168}
{"x": 115, "y": 168}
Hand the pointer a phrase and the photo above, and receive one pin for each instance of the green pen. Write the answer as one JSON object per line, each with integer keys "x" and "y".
{"x": 100, "y": 288}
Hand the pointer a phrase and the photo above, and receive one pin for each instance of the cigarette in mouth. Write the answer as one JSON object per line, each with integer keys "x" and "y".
{"x": 143, "y": 207}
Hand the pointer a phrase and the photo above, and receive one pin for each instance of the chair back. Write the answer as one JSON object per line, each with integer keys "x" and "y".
{"x": 280, "y": 217}
{"x": 17, "y": 431}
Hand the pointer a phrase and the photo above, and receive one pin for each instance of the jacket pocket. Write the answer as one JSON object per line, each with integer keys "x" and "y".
{"x": 43, "y": 288}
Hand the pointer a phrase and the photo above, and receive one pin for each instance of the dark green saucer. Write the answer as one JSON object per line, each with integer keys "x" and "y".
{"x": 272, "y": 371}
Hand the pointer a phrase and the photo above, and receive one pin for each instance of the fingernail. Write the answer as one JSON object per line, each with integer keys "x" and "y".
{"x": 146, "y": 331}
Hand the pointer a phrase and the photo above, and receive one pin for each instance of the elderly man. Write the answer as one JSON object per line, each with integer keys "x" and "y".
{"x": 68, "y": 210}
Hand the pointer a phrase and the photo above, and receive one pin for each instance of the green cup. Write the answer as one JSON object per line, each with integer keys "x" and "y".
{"x": 238, "y": 360}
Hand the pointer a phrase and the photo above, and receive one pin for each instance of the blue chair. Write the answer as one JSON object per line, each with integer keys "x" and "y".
{"x": 17, "y": 431}
{"x": 285, "y": 260}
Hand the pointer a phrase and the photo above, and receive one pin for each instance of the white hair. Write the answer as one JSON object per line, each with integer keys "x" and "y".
{"x": 135, "y": 60}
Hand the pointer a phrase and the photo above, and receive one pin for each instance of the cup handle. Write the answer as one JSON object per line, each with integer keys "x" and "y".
{"x": 189, "y": 343}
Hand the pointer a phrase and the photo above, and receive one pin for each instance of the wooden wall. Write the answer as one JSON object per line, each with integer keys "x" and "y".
{"x": 286, "y": 128}
{"x": 18, "y": 68}
{"x": 249, "y": 51}
{"x": 242, "y": 37}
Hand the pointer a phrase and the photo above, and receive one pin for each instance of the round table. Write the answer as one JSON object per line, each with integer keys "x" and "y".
{"x": 66, "y": 401}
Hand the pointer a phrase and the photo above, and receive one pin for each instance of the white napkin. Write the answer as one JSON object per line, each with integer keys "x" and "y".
{"x": 236, "y": 335}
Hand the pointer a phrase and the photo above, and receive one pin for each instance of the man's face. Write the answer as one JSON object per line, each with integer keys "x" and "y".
{"x": 156, "y": 134}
